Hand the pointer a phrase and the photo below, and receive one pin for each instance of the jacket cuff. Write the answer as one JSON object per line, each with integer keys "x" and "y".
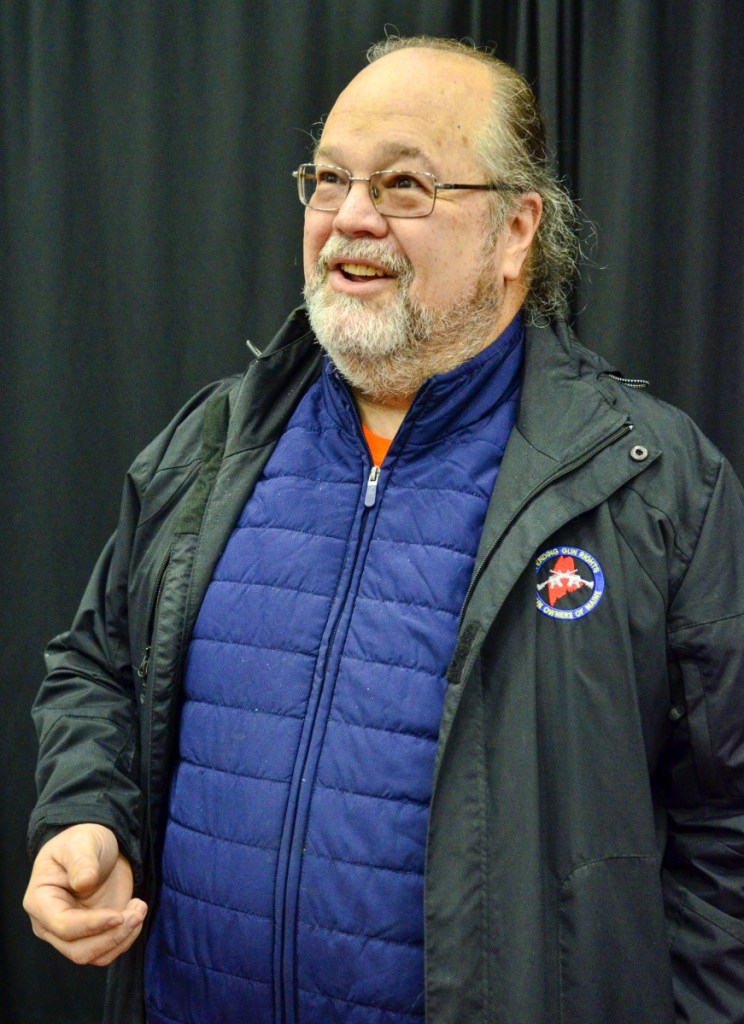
{"x": 44, "y": 828}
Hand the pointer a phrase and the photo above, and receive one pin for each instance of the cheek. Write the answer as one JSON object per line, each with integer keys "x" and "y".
{"x": 452, "y": 264}
{"x": 307, "y": 261}
{"x": 443, "y": 269}
{"x": 314, "y": 237}
{"x": 309, "y": 255}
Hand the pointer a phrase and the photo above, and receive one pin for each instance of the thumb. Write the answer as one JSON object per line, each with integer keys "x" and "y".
{"x": 84, "y": 874}
{"x": 83, "y": 860}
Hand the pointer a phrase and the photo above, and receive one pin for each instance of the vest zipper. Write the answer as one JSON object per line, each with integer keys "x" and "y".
{"x": 370, "y": 494}
{"x": 287, "y": 958}
{"x": 564, "y": 471}
{"x": 370, "y": 497}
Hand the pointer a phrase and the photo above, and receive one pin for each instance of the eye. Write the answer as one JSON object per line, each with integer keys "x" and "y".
{"x": 414, "y": 183}
{"x": 327, "y": 176}
{"x": 404, "y": 180}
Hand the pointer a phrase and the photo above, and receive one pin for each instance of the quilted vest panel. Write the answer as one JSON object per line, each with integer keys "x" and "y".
{"x": 294, "y": 850}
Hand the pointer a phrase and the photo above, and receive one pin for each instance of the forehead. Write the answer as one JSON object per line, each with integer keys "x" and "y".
{"x": 420, "y": 105}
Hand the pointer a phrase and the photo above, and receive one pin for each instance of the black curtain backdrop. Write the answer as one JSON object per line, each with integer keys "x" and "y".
{"x": 149, "y": 225}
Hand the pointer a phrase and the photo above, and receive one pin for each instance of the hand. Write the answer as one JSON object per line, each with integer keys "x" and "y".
{"x": 79, "y": 897}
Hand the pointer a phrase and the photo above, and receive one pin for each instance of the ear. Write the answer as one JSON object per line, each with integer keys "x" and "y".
{"x": 518, "y": 233}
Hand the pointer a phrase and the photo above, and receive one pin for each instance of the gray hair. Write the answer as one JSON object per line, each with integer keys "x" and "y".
{"x": 512, "y": 148}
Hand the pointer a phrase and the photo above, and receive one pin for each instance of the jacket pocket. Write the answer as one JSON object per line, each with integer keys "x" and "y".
{"x": 614, "y": 956}
{"x": 707, "y": 949}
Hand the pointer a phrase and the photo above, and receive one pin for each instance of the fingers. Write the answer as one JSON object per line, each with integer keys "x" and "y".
{"x": 85, "y": 938}
{"x": 135, "y": 926}
{"x": 69, "y": 925}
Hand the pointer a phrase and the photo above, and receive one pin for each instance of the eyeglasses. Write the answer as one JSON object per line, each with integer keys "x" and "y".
{"x": 394, "y": 193}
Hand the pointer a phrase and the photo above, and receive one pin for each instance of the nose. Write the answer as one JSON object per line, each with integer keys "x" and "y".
{"x": 358, "y": 215}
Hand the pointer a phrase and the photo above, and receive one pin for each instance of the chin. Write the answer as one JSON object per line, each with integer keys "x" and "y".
{"x": 347, "y": 325}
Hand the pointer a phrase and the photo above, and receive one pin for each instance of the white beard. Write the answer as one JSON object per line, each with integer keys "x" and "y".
{"x": 386, "y": 354}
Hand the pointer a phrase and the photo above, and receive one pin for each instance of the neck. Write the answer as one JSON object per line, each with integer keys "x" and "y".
{"x": 383, "y": 415}
{"x": 382, "y": 418}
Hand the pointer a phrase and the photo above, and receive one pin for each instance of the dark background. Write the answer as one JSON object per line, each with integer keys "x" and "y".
{"x": 148, "y": 225}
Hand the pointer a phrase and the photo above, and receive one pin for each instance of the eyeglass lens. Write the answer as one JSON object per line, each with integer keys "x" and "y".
{"x": 394, "y": 193}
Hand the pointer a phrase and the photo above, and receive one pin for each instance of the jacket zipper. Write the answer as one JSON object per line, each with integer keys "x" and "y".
{"x": 148, "y": 844}
{"x": 564, "y": 471}
{"x": 158, "y": 593}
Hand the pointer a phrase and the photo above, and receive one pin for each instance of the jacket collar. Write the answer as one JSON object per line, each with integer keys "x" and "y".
{"x": 564, "y": 416}
{"x": 277, "y": 379}
{"x": 568, "y": 452}
{"x": 548, "y": 433}
{"x": 577, "y": 411}
{"x": 563, "y": 411}
{"x": 273, "y": 385}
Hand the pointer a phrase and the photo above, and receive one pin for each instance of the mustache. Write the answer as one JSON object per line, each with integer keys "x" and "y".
{"x": 361, "y": 250}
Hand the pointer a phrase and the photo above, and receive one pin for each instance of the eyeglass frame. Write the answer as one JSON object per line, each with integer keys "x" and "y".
{"x": 438, "y": 185}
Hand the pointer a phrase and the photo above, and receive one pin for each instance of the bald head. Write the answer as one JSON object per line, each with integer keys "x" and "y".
{"x": 441, "y": 99}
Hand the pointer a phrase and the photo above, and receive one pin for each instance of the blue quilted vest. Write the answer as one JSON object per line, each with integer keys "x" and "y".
{"x": 294, "y": 850}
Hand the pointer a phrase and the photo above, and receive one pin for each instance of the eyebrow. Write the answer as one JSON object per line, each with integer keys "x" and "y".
{"x": 388, "y": 152}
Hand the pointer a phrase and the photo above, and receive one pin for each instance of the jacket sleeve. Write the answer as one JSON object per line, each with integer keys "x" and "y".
{"x": 86, "y": 712}
{"x": 703, "y": 870}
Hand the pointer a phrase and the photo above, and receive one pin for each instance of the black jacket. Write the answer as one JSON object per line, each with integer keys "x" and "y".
{"x": 585, "y": 858}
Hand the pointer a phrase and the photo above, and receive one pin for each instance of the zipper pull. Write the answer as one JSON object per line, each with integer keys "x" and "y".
{"x": 371, "y": 493}
{"x": 145, "y": 663}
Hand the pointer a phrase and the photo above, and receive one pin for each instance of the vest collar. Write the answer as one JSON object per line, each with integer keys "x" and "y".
{"x": 447, "y": 403}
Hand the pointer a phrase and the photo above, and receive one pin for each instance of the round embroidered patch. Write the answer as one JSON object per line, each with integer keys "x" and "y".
{"x": 570, "y": 583}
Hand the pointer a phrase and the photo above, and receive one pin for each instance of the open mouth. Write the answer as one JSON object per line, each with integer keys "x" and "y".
{"x": 361, "y": 271}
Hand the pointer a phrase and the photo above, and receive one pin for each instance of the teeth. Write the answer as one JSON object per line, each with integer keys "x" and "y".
{"x": 362, "y": 270}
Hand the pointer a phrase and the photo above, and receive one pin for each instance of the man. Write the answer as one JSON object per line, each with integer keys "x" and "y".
{"x": 433, "y": 647}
